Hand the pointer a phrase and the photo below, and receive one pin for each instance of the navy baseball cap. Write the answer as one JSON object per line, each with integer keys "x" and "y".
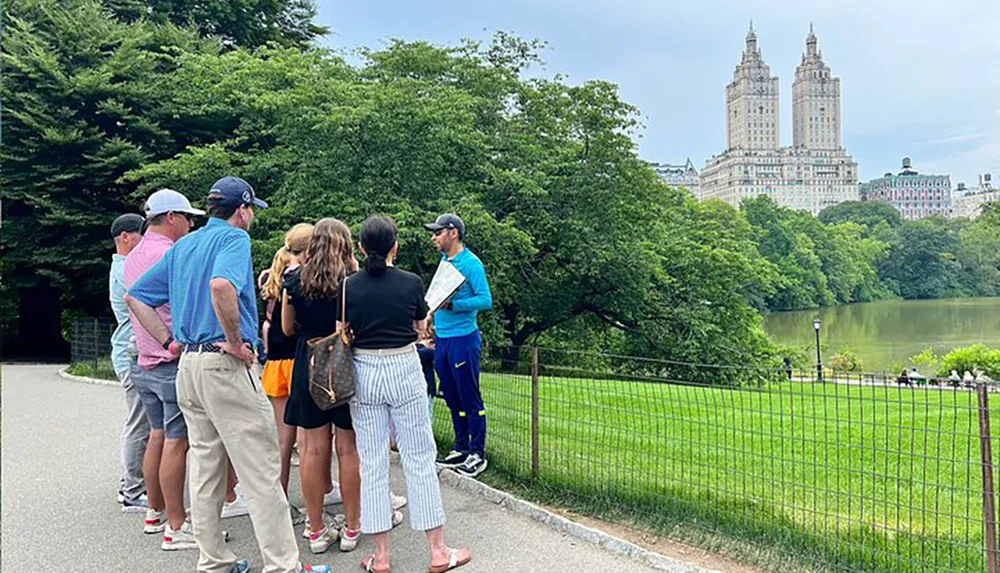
{"x": 447, "y": 221}
{"x": 232, "y": 191}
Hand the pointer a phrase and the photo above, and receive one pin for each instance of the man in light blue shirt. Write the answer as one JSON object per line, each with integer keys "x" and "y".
{"x": 135, "y": 433}
{"x": 456, "y": 356}
{"x": 208, "y": 280}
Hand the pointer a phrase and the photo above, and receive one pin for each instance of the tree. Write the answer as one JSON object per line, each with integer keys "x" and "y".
{"x": 866, "y": 213}
{"x": 238, "y": 23}
{"x": 83, "y": 106}
{"x": 578, "y": 235}
{"x": 922, "y": 261}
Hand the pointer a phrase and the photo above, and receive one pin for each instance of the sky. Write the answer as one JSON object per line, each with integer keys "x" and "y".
{"x": 918, "y": 78}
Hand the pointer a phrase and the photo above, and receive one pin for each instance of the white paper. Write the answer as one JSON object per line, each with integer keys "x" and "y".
{"x": 447, "y": 279}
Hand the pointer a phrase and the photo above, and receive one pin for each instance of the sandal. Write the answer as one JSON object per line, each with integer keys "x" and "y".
{"x": 368, "y": 564}
{"x": 453, "y": 563}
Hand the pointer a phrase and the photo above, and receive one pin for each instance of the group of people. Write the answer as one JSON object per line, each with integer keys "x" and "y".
{"x": 200, "y": 412}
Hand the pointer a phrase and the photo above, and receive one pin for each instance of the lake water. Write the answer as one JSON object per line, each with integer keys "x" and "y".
{"x": 889, "y": 332}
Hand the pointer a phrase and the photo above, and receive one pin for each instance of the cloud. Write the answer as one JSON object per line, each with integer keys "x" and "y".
{"x": 961, "y": 137}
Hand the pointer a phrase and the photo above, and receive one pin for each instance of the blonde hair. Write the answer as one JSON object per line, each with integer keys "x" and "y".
{"x": 296, "y": 241}
{"x": 329, "y": 258}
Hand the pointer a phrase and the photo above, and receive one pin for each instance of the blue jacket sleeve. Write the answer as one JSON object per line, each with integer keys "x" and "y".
{"x": 481, "y": 298}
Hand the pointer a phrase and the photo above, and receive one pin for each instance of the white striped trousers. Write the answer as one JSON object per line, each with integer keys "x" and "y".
{"x": 393, "y": 387}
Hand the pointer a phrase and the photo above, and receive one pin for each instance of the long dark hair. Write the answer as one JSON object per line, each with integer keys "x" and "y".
{"x": 328, "y": 259}
{"x": 378, "y": 236}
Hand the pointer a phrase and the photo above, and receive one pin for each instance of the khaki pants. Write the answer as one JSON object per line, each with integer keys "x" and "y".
{"x": 227, "y": 412}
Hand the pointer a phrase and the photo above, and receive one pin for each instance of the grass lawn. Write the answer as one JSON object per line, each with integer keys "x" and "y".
{"x": 792, "y": 477}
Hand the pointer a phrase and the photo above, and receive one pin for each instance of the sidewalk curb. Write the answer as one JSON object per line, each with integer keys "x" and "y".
{"x": 568, "y": 527}
{"x": 64, "y": 373}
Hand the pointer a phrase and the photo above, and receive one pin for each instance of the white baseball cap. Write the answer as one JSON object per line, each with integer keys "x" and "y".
{"x": 167, "y": 200}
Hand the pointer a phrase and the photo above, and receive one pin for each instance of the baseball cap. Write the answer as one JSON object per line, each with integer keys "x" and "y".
{"x": 232, "y": 191}
{"x": 167, "y": 200}
{"x": 447, "y": 221}
{"x": 128, "y": 223}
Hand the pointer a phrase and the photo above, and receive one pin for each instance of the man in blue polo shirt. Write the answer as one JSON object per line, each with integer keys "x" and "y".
{"x": 456, "y": 358}
{"x": 208, "y": 280}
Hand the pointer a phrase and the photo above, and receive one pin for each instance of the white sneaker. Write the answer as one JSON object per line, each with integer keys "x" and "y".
{"x": 397, "y": 501}
{"x": 397, "y": 518}
{"x": 307, "y": 530}
{"x": 138, "y": 506}
{"x": 155, "y": 522}
{"x": 236, "y": 508}
{"x": 349, "y": 539}
{"x": 296, "y": 460}
{"x": 178, "y": 540}
{"x": 333, "y": 496}
{"x": 320, "y": 542}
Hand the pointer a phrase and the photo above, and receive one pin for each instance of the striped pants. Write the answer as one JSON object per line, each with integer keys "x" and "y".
{"x": 392, "y": 386}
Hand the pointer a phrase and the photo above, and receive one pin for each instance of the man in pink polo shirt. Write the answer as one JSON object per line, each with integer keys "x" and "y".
{"x": 169, "y": 216}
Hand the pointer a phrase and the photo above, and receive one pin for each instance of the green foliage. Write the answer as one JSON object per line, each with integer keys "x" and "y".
{"x": 922, "y": 262}
{"x": 238, "y": 23}
{"x": 102, "y": 369}
{"x": 83, "y": 104}
{"x": 866, "y": 213}
{"x": 817, "y": 264}
{"x": 544, "y": 174}
{"x": 928, "y": 362}
{"x": 974, "y": 359}
{"x": 846, "y": 360}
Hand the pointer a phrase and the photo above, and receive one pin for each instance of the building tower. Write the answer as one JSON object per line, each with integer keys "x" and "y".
{"x": 815, "y": 102}
{"x": 752, "y": 102}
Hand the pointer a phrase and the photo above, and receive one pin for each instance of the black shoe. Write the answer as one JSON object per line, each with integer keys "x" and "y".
{"x": 452, "y": 460}
{"x": 473, "y": 466}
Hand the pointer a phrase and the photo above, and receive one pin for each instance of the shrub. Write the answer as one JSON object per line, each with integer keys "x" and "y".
{"x": 972, "y": 358}
{"x": 845, "y": 361}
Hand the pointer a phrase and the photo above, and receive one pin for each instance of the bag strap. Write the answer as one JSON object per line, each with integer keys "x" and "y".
{"x": 343, "y": 302}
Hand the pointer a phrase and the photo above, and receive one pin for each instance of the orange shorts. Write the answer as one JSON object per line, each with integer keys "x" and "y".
{"x": 277, "y": 377}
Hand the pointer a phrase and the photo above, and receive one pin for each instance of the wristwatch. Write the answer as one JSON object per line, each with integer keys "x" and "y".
{"x": 166, "y": 343}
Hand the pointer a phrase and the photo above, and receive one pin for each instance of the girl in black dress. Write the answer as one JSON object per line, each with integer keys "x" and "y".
{"x": 310, "y": 308}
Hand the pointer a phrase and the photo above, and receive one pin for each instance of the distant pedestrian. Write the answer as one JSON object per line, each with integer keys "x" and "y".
{"x": 208, "y": 280}
{"x": 135, "y": 432}
{"x": 459, "y": 345}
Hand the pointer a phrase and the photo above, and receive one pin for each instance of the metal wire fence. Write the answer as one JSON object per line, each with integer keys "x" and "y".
{"x": 90, "y": 345}
{"x": 785, "y": 470}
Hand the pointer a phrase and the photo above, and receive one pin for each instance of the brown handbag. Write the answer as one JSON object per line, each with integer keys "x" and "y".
{"x": 331, "y": 363}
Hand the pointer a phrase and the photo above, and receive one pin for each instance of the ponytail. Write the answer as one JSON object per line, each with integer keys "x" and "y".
{"x": 375, "y": 264}
{"x": 272, "y": 288}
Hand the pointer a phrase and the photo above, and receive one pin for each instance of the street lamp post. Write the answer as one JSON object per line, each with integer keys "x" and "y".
{"x": 819, "y": 358}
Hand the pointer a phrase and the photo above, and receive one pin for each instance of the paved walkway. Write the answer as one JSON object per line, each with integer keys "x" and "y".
{"x": 60, "y": 475}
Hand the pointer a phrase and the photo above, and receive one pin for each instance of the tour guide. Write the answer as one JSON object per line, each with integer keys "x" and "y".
{"x": 208, "y": 279}
{"x": 458, "y": 346}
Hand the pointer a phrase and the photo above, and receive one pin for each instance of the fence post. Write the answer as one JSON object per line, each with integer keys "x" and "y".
{"x": 534, "y": 413}
{"x": 97, "y": 348}
{"x": 989, "y": 509}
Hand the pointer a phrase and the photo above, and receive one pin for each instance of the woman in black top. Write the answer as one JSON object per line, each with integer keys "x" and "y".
{"x": 310, "y": 309}
{"x": 277, "y": 376}
{"x": 386, "y": 309}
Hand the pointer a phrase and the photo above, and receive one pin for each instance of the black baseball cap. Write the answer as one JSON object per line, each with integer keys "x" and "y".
{"x": 447, "y": 221}
{"x": 127, "y": 223}
{"x": 232, "y": 191}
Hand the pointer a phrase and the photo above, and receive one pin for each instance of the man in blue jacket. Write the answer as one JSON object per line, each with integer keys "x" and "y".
{"x": 458, "y": 346}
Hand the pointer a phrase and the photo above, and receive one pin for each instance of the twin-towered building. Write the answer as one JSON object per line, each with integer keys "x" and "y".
{"x": 816, "y": 171}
